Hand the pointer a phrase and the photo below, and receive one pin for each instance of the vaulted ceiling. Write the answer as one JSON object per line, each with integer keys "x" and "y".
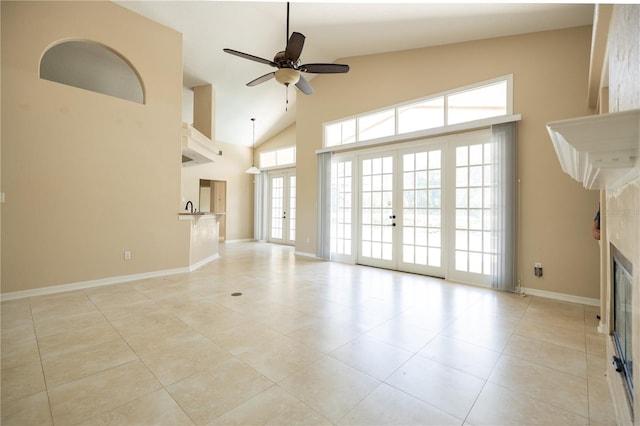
{"x": 333, "y": 30}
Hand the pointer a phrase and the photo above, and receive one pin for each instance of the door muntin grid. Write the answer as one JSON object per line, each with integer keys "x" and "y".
{"x": 376, "y": 209}
{"x": 291, "y": 213}
{"x": 342, "y": 207}
{"x": 473, "y": 239}
{"x": 422, "y": 206}
{"x": 441, "y": 195}
{"x": 277, "y": 207}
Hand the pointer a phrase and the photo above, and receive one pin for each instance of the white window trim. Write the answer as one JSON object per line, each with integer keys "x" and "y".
{"x": 439, "y": 131}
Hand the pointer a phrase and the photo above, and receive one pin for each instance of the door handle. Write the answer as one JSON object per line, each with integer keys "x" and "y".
{"x": 393, "y": 216}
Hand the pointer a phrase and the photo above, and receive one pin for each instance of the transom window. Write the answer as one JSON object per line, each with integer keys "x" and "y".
{"x": 278, "y": 158}
{"x": 476, "y": 102}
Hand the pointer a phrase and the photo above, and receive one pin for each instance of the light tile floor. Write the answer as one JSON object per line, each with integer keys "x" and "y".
{"x": 308, "y": 342}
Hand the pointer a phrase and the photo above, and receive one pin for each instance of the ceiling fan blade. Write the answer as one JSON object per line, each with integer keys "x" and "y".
{"x": 261, "y": 79}
{"x": 304, "y": 86}
{"x": 251, "y": 57}
{"x": 294, "y": 47}
{"x": 324, "y": 68}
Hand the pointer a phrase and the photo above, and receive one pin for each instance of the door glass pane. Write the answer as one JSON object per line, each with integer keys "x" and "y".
{"x": 434, "y": 220}
{"x": 462, "y": 155}
{"x": 408, "y": 255}
{"x": 377, "y": 206}
{"x": 434, "y": 200}
{"x": 277, "y": 206}
{"x": 462, "y": 200}
{"x": 408, "y": 180}
{"x": 434, "y": 160}
{"x": 433, "y": 257}
{"x": 292, "y": 208}
{"x": 473, "y": 220}
{"x": 461, "y": 261}
{"x": 341, "y": 196}
{"x": 422, "y": 236}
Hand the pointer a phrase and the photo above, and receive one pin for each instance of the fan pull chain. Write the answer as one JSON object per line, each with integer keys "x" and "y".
{"x": 286, "y": 91}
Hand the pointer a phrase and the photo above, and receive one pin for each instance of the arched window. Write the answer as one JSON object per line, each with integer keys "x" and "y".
{"x": 92, "y": 66}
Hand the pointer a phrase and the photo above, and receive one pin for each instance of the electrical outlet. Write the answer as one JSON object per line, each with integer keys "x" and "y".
{"x": 127, "y": 255}
{"x": 537, "y": 269}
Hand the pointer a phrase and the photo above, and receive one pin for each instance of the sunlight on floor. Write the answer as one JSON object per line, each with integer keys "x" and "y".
{"x": 307, "y": 342}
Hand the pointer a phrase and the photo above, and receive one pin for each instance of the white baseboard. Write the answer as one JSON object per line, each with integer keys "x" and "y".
{"x": 241, "y": 240}
{"x": 203, "y": 262}
{"x": 560, "y": 296}
{"x": 305, "y": 254}
{"x": 61, "y": 288}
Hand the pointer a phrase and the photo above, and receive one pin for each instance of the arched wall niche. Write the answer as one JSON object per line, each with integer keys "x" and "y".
{"x": 92, "y": 66}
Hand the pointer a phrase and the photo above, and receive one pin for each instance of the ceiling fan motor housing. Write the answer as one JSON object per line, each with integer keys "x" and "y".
{"x": 281, "y": 60}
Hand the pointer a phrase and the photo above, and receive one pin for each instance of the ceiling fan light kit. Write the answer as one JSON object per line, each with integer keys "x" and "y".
{"x": 287, "y": 76}
{"x": 288, "y": 64}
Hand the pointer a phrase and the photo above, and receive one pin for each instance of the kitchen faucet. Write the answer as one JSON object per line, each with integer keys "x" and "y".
{"x": 187, "y": 206}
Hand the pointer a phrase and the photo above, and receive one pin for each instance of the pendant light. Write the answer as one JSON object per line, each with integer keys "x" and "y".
{"x": 253, "y": 170}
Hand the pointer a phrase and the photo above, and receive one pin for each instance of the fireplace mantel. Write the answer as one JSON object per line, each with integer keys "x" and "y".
{"x": 600, "y": 151}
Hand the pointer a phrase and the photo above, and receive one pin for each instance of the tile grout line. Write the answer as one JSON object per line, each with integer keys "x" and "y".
{"x": 544, "y": 366}
{"x": 129, "y": 362}
{"x": 44, "y": 377}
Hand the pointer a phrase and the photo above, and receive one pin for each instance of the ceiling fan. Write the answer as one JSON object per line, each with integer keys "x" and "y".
{"x": 288, "y": 64}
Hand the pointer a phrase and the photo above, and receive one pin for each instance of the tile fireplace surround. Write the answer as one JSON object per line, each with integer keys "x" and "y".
{"x": 603, "y": 153}
{"x": 621, "y": 230}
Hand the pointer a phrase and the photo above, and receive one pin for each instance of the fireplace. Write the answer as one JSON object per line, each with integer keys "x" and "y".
{"x": 622, "y": 318}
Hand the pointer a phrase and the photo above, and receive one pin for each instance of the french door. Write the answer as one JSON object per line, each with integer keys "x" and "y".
{"x": 424, "y": 208}
{"x": 401, "y": 210}
{"x": 282, "y": 207}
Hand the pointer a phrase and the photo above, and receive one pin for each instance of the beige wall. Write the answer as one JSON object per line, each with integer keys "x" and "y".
{"x": 88, "y": 176}
{"x": 550, "y": 79}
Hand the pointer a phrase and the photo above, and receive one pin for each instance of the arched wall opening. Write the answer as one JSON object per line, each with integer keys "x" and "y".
{"x": 92, "y": 66}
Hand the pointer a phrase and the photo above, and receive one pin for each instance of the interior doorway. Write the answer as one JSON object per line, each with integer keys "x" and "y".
{"x": 213, "y": 199}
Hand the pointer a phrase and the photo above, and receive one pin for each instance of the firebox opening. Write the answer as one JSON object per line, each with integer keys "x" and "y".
{"x": 622, "y": 318}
